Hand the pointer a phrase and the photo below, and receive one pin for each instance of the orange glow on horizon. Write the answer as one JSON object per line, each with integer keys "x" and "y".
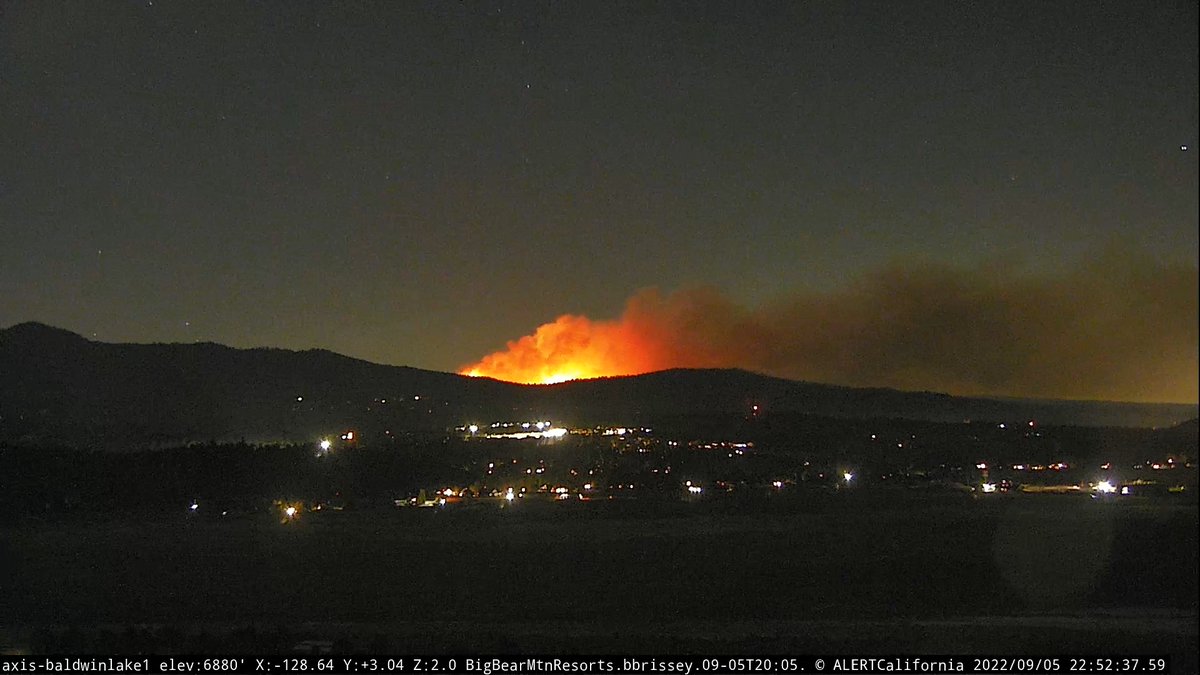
{"x": 962, "y": 332}
{"x": 655, "y": 332}
{"x": 569, "y": 348}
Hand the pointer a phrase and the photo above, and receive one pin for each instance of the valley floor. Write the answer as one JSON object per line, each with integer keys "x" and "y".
{"x": 1035, "y": 574}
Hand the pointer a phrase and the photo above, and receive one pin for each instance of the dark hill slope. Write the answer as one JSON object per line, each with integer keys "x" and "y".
{"x": 57, "y": 387}
{"x": 682, "y": 392}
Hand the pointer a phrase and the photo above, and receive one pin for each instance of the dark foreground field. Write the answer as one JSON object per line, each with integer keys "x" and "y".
{"x": 1026, "y": 574}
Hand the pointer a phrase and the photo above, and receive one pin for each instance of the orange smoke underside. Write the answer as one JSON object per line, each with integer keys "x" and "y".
{"x": 907, "y": 327}
{"x": 570, "y": 348}
{"x": 654, "y": 332}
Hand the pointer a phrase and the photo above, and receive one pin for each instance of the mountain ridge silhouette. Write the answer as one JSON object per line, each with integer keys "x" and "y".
{"x": 57, "y": 387}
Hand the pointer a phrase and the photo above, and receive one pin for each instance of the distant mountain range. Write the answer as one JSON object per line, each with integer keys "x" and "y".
{"x": 57, "y": 387}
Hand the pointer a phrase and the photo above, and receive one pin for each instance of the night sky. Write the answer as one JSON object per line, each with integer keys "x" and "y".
{"x": 420, "y": 183}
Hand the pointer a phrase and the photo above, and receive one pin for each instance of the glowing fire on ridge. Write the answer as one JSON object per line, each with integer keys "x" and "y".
{"x": 570, "y": 348}
{"x": 684, "y": 329}
{"x": 691, "y": 328}
{"x": 912, "y": 326}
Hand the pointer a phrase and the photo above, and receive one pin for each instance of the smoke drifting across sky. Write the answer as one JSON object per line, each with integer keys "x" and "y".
{"x": 1118, "y": 326}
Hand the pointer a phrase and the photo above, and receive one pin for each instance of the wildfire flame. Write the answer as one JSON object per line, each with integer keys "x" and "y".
{"x": 913, "y": 326}
{"x": 644, "y": 339}
{"x": 569, "y": 348}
